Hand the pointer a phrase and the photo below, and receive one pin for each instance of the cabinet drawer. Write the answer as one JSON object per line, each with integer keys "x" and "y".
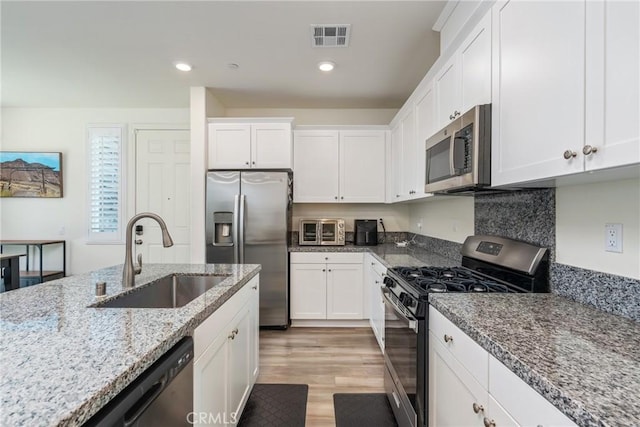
{"x": 473, "y": 357}
{"x": 380, "y": 269}
{"x": 326, "y": 257}
{"x": 508, "y": 389}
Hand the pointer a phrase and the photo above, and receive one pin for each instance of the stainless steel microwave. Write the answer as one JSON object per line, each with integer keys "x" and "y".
{"x": 458, "y": 158}
{"x": 322, "y": 231}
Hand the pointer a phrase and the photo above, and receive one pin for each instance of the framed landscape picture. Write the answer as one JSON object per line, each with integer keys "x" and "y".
{"x": 27, "y": 174}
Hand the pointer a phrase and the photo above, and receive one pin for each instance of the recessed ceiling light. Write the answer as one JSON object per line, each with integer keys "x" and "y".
{"x": 326, "y": 66}
{"x": 183, "y": 66}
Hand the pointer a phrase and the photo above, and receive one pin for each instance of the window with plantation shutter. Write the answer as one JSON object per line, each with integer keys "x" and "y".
{"x": 105, "y": 178}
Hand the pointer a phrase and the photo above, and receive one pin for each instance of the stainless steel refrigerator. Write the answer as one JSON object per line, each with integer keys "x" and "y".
{"x": 248, "y": 218}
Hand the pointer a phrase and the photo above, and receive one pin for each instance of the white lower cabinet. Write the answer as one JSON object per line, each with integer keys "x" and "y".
{"x": 469, "y": 387}
{"x": 375, "y": 273}
{"x": 226, "y": 359}
{"x": 326, "y": 286}
{"x": 453, "y": 391}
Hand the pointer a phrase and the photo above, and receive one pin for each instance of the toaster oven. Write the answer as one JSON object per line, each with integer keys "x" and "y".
{"x": 323, "y": 231}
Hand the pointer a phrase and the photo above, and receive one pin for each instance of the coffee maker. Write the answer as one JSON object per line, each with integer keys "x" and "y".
{"x": 365, "y": 232}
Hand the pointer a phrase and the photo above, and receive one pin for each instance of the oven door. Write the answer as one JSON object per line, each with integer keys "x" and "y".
{"x": 328, "y": 232}
{"x": 309, "y": 232}
{"x": 401, "y": 355}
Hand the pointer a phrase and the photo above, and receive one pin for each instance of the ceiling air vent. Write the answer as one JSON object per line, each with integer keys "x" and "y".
{"x": 336, "y": 35}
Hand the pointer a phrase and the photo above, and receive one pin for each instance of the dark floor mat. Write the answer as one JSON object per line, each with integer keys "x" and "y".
{"x": 363, "y": 410}
{"x": 276, "y": 405}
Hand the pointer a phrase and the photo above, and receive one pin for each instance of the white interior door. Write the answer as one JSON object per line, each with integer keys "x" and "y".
{"x": 163, "y": 187}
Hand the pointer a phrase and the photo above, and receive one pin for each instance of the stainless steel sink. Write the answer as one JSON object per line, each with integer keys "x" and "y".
{"x": 171, "y": 291}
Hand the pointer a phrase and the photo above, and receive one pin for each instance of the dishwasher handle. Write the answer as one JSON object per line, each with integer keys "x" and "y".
{"x": 143, "y": 403}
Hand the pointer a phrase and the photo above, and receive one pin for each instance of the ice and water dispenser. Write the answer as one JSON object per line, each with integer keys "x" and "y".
{"x": 223, "y": 229}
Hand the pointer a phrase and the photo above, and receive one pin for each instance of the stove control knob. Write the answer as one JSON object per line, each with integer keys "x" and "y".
{"x": 389, "y": 283}
{"x": 410, "y": 302}
{"x": 402, "y": 297}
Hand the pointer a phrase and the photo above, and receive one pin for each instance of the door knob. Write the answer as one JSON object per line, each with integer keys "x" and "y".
{"x": 138, "y": 241}
{"x": 588, "y": 149}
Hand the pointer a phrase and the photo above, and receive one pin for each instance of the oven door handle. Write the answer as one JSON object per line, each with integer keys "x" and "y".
{"x": 413, "y": 323}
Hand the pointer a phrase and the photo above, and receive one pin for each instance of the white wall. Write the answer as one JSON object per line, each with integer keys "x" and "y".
{"x": 581, "y": 214}
{"x": 448, "y": 218}
{"x": 64, "y": 130}
{"x": 321, "y": 116}
{"x": 394, "y": 216}
{"x": 203, "y": 104}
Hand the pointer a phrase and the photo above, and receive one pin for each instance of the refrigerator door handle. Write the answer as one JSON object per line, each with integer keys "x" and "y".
{"x": 236, "y": 228}
{"x": 241, "y": 230}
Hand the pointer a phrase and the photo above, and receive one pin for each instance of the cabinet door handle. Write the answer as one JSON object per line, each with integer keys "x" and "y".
{"x": 451, "y": 117}
{"x": 588, "y": 149}
{"x": 253, "y": 163}
{"x": 336, "y": 197}
{"x": 477, "y": 408}
{"x": 448, "y": 338}
{"x": 456, "y": 113}
{"x": 323, "y": 270}
{"x": 235, "y": 331}
{"x": 246, "y": 163}
{"x": 254, "y": 287}
{"x": 568, "y": 154}
{"x": 232, "y": 336}
{"x": 329, "y": 270}
{"x": 489, "y": 423}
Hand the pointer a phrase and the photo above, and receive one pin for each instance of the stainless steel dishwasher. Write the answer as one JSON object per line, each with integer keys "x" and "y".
{"x": 161, "y": 396}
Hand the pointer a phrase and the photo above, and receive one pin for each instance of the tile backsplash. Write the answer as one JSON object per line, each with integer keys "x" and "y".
{"x": 530, "y": 216}
{"x": 527, "y": 215}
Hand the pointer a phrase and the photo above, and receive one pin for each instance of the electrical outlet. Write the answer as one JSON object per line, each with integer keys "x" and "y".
{"x": 613, "y": 237}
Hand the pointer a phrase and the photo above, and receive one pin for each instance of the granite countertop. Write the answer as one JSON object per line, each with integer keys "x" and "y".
{"x": 389, "y": 254}
{"x": 583, "y": 360}
{"x": 61, "y": 361}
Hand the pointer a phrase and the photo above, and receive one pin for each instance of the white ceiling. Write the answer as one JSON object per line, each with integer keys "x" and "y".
{"x": 121, "y": 54}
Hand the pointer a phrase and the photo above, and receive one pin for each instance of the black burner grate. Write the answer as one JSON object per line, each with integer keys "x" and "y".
{"x": 449, "y": 279}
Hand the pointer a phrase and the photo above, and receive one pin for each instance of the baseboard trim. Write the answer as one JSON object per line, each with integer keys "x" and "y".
{"x": 306, "y": 323}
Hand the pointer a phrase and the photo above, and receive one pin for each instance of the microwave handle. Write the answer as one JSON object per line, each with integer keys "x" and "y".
{"x": 452, "y": 150}
{"x": 457, "y": 140}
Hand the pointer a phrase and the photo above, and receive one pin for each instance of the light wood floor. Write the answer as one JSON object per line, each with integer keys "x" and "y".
{"x": 329, "y": 360}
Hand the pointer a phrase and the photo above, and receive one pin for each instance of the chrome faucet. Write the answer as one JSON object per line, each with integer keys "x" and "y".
{"x": 129, "y": 271}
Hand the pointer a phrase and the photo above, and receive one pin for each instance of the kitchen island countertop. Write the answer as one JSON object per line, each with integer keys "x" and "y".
{"x": 584, "y": 361}
{"x": 61, "y": 361}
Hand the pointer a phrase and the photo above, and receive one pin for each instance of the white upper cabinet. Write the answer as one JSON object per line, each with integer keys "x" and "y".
{"x": 612, "y": 97}
{"x": 538, "y": 90}
{"x": 335, "y": 166}
{"x": 447, "y": 93}
{"x": 244, "y": 144}
{"x": 362, "y": 166}
{"x": 409, "y": 179}
{"x": 571, "y": 104}
{"x": 316, "y": 166}
{"x": 465, "y": 79}
{"x": 229, "y": 145}
{"x": 425, "y": 112}
{"x": 396, "y": 163}
{"x": 475, "y": 66}
{"x": 407, "y": 158}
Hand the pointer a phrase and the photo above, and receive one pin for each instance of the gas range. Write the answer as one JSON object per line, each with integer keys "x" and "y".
{"x": 490, "y": 265}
